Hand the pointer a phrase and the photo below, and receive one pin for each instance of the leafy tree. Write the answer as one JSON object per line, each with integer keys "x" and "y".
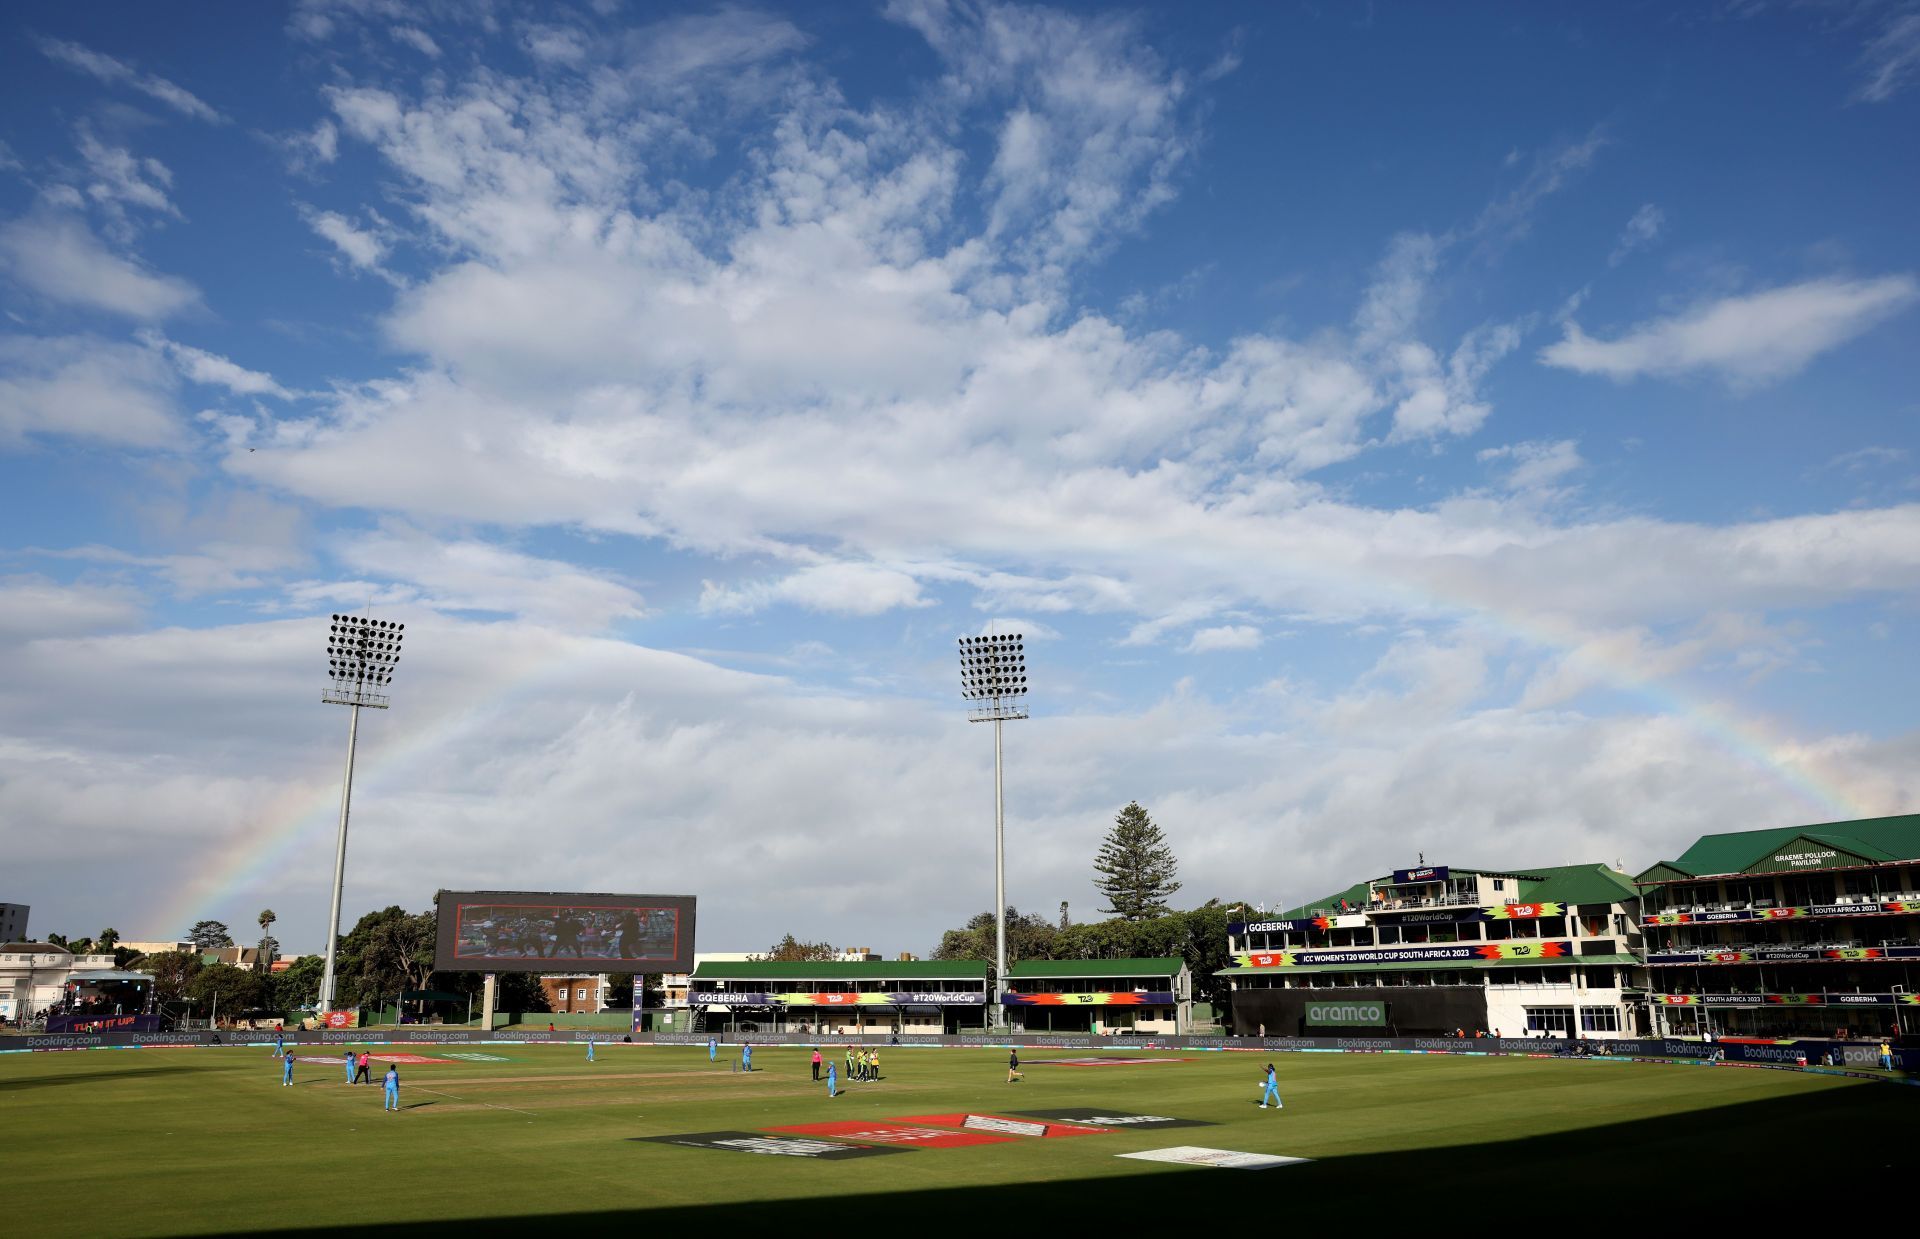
{"x": 238, "y": 989}
{"x": 81, "y": 946}
{"x": 106, "y": 939}
{"x": 1206, "y": 950}
{"x": 520, "y": 991}
{"x": 210, "y": 935}
{"x": 57, "y": 940}
{"x": 267, "y": 943}
{"x": 298, "y": 985}
{"x": 1135, "y": 866}
{"x": 620, "y": 987}
{"x": 793, "y": 951}
{"x": 1066, "y": 921}
{"x": 387, "y": 951}
{"x": 172, "y": 972}
{"x": 1028, "y": 937}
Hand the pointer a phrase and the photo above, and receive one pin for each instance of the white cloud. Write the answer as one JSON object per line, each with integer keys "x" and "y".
{"x": 84, "y": 388}
{"x": 1746, "y": 340}
{"x": 307, "y": 152}
{"x": 1537, "y": 466}
{"x": 35, "y": 606}
{"x": 1510, "y": 218}
{"x": 1640, "y": 232}
{"x": 117, "y": 176}
{"x": 1031, "y": 629}
{"x": 213, "y": 370}
{"x": 416, "y": 38}
{"x": 1225, "y": 637}
{"x": 119, "y": 73}
{"x": 470, "y": 575}
{"x": 1891, "y": 60}
{"x": 834, "y": 588}
{"x": 1094, "y": 133}
{"x": 56, "y": 255}
{"x": 364, "y": 249}
{"x": 1863, "y": 458}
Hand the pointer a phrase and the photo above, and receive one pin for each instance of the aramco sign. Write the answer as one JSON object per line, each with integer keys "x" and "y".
{"x": 1347, "y": 1014}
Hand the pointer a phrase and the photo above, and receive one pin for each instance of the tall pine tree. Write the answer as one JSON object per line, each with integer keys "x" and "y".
{"x": 1135, "y": 867}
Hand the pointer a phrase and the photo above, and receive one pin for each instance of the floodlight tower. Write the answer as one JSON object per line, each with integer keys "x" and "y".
{"x": 361, "y": 656}
{"x": 993, "y": 679}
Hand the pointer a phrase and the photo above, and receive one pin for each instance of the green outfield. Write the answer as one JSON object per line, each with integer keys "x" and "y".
{"x": 207, "y": 1141}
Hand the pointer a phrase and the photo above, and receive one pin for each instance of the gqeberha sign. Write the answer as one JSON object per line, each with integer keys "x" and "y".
{"x": 1347, "y": 1014}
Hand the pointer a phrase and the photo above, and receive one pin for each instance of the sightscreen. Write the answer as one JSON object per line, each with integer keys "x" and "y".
{"x": 524, "y": 931}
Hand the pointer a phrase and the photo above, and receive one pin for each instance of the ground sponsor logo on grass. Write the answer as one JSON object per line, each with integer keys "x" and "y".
{"x": 318, "y": 1061}
{"x": 894, "y": 1132}
{"x": 1107, "y": 1118}
{"x": 406, "y": 1060}
{"x": 474, "y": 1056}
{"x": 771, "y": 1146}
{"x": 1013, "y": 1126}
{"x": 1229, "y": 1159}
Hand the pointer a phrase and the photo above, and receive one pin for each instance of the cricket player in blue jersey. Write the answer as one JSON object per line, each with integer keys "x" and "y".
{"x": 279, "y": 1045}
{"x": 746, "y": 1056}
{"x": 1270, "y": 1088}
{"x": 832, "y": 1084}
{"x": 393, "y": 1088}
{"x": 286, "y": 1077}
{"x": 713, "y": 1049}
{"x": 349, "y": 1062}
{"x": 589, "y": 1047}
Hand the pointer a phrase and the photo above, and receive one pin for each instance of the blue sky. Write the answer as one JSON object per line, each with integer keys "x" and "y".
{"x": 1488, "y": 432}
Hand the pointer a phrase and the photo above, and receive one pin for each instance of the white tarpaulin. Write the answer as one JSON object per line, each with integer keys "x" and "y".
{"x": 1194, "y": 1155}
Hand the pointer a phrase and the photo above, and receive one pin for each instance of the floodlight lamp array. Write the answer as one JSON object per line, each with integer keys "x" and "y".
{"x": 361, "y": 657}
{"x": 993, "y": 668}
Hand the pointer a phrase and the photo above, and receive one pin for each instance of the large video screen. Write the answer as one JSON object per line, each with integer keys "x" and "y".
{"x": 524, "y": 931}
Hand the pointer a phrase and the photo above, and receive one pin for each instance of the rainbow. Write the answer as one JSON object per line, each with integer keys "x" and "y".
{"x": 258, "y": 850}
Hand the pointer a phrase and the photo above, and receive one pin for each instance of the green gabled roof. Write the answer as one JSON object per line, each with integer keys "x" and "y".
{"x": 1889, "y": 838}
{"x": 1431, "y": 965}
{"x": 1665, "y": 871}
{"x": 1046, "y": 969}
{"x": 870, "y": 970}
{"x": 1847, "y": 843}
{"x": 1575, "y": 884}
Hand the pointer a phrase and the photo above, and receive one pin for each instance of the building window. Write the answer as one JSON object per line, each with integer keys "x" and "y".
{"x": 581, "y": 993}
{"x": 1599, "y": 1019}
{"x": 1499, "y": 884}
{"x": 1554, "y": 1020}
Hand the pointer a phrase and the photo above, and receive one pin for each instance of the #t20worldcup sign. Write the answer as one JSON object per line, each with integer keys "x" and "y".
{"x": 528, "y": 931}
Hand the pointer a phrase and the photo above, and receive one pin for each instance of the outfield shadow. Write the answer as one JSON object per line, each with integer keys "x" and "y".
{"x": 1858, "y": 1134}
